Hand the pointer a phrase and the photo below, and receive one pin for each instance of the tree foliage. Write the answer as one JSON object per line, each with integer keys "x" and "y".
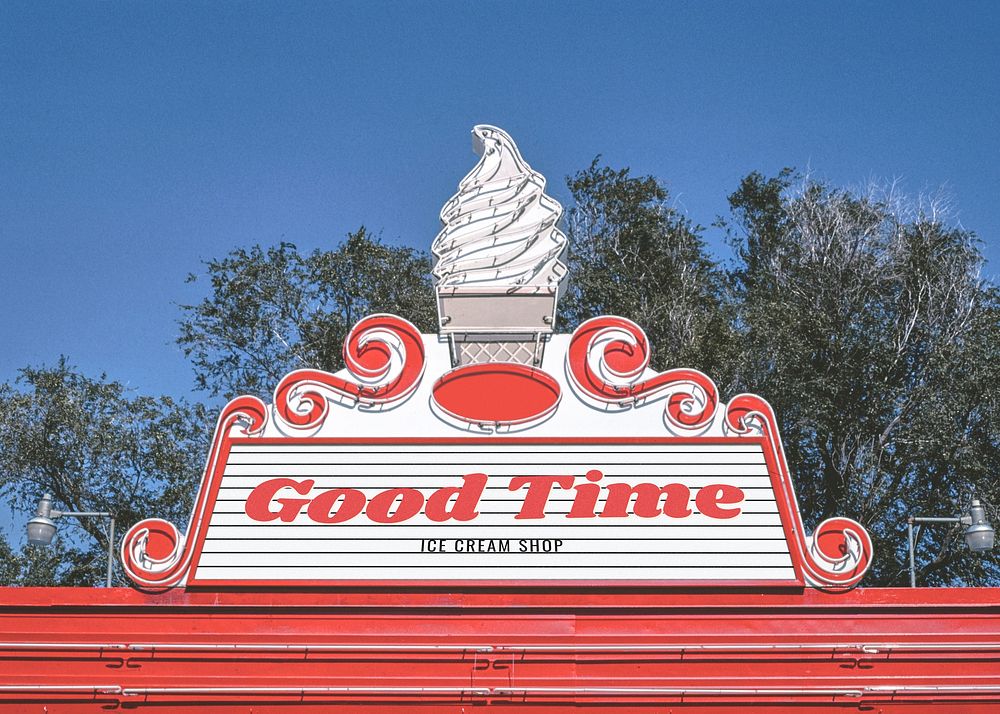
{"x": 274, "y": 310}
{"x": 860, "y": 316}
{"x": 632, "y": 254}
{"x": 863, "y": 319}
{"x": 94, "y": 447}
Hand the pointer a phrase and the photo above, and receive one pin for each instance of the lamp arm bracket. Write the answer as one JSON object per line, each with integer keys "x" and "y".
{"x": 921, "y": 519}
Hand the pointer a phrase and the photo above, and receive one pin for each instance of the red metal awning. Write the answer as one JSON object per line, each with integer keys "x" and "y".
{"x": 867, "y": 650}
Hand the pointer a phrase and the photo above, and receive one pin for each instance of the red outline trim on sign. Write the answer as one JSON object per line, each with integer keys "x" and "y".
{"x": 791, "y": 525}
{"x": 245, "y": 415}
{"x": 844, "y": 568}
{"x": 184, "y": 559}
{"x": 607, "y": 368}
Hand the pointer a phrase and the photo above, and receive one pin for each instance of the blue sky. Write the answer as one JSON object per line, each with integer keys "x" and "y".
{"x": 138, "y": 139}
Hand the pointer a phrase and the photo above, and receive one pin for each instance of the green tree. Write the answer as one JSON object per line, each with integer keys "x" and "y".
{"x": 271, "y": 311}
{"x": 94, "y": 447}
{"x": 863, "y": 319}
{"x": 632, "y": 254}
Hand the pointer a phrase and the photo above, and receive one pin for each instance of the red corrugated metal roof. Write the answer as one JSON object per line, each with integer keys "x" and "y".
{"x": 865, "y": 650}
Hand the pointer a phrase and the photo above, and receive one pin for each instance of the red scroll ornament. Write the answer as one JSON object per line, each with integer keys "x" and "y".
{"x": 384, "y": 355}
{"x": 154, "y": 553}
{"x": 606, "y": 361}
{"x": 837, "y": 555}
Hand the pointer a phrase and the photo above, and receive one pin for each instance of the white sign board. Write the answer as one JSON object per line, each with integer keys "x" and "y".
{"x": 644, "y": 510}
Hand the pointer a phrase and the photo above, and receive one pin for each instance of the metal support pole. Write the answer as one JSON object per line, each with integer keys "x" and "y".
{"x": 912, "y": 544}
{"x": 909, "y": 540}
{"x": 111, "y": 549}
{"x": 111, "y": 533}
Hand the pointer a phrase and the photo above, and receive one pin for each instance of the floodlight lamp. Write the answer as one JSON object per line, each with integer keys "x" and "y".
{"x": 41, "y": 528}
{"x": 979, "y": 536}
{"x": 40, "y": 531}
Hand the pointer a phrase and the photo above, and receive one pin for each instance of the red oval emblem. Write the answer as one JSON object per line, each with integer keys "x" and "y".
{"x": 499, "y": 394}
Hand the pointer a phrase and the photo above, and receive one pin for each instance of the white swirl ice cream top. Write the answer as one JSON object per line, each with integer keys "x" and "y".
{"x": 500, "y": 228}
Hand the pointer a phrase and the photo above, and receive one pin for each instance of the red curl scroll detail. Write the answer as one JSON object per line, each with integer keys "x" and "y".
{"x": 606, "y": 361}
{"x": 839, "y": 552}
{"x": 154, "y": 553}
{"x": 385, "y": 361}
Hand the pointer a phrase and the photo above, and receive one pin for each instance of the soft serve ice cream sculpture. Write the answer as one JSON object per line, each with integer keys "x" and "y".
{"x": 498, "y": 268}
{"x": 500, "y": 228}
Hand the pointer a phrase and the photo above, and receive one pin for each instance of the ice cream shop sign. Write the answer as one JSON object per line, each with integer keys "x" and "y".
{"x": 497, "y": 452}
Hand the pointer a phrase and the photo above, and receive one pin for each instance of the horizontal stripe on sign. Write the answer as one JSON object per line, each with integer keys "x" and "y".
{"x": 660, "y": 546}
{"x": 509, "y": 506}
{"x": 281, "y": 561}
{"x": 494, "y": 484}
{"x": 382, "y": 471}
{"x": 517, "y": 572}
{"x": 499, "y": 492}
{"x": 488, "y": 519}
{"x": 627, "y": 457}
{"x": 731, "y": 533}
{"x": 513, "y": 447}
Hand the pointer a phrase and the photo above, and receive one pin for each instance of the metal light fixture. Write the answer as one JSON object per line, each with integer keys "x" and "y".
{"x": 979, "y": 533}
{"x": 42, "y": 527}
